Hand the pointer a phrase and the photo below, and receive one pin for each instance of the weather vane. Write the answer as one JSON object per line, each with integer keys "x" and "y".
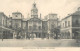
{"x": 34, "y": 0}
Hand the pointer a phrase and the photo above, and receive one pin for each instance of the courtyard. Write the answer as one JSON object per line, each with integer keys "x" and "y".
{"x": 39, "y": 43}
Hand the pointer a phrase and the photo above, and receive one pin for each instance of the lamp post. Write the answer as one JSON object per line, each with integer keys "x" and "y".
{"x": 32, "y": 34}
{"x": 48, "y": 34}
{"x": 42, "y": 34}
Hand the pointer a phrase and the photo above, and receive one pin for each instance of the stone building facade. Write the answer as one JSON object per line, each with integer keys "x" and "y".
{"x": 70, "y": 25}
{"x": 5, "y": 31}
{"x": 17, "y": 27}
{"x": 52, "y": 22}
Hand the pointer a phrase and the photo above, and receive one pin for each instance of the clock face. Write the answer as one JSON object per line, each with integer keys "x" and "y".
{"x": 34, "y": 10}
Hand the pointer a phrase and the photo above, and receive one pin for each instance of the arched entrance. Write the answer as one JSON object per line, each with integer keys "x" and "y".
{"x": 38, "y": 35}
{"x": 35, "y": 35}
{"x": 68, "y": 36}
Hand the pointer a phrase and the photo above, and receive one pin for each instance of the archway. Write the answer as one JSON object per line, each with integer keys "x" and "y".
{"x": 68, "y": 34}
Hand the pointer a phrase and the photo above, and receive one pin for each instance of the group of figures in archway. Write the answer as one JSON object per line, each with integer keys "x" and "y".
{"x": 21, "y": 35}
{"x": 28, "y": 35}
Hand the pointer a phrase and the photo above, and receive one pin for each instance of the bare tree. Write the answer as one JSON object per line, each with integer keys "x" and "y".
{"x": 56, "y": 31}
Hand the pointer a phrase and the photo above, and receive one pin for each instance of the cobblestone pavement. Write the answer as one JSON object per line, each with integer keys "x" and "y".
{"x": 38, "y": 43}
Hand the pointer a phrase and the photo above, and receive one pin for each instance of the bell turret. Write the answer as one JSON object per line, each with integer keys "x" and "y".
{"x": 34, "y": 11}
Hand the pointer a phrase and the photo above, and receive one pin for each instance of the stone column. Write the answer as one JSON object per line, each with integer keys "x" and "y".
{"x": 14, "y": 35}
{"x": 25, "y": 35}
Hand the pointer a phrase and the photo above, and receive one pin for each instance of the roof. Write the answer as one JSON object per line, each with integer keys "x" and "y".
{"x": 34, "y": 19}
{"x": 16, "y": 13}
{"x": 1, "y": 12}
{"x": 52, "y": 14}
{"x": 66, "y": 17}
{"x": 76, "y": 13}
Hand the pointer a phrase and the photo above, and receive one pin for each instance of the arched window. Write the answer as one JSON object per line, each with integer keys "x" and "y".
{"x": 69, "y": 23}
{"x": 77, "y": 22}
{"x": 30, "y": 27}
{"x": 68, "y": 34}
{"x": 16, "y": 25}
{"x": 34, "y": 27}
{"x": 65, "y": 23}
{"x": 39, "y": 27}
{"x": 3, "y": 22}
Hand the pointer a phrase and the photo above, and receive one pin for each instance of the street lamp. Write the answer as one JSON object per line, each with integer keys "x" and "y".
{"x": 49, "y": 34}
{"x": 42, "y": 33}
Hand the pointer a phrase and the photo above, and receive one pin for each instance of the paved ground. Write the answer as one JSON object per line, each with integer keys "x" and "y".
{"x": 39, "y": 43}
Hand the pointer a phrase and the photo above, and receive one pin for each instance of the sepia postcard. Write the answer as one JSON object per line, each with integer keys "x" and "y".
{"x": 39, "y": 24}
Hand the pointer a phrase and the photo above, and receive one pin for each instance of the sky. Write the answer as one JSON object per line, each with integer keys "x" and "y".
{"x": 60, "y": 7}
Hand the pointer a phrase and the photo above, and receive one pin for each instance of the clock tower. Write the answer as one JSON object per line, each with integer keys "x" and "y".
{"x": 34, "y": 11}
